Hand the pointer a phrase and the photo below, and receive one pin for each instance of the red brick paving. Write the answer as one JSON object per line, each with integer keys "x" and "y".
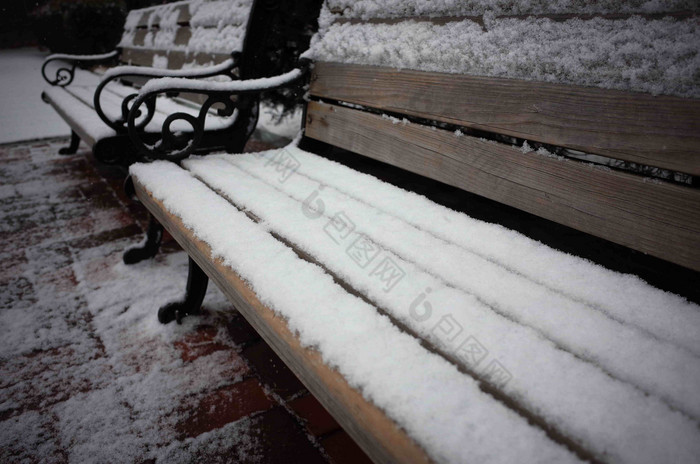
{"x": 342, "y": 450}
{"x": 57, "y": 210}
{"x": 273, "y": 372}
{"x": 225, "y": 405}
{"x": 317, "y": 419}
{"x": 199, "y": 343}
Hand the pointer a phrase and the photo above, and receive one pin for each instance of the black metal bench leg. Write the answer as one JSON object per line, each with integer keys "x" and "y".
{"x": 197, "y": 282}
{"x": 73, "y": 147}
{"x": 148, "y": 250}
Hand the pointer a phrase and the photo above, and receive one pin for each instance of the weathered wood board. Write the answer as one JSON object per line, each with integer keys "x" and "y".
{"x": 657, "y": 218}
{"x": 659, "y": 131}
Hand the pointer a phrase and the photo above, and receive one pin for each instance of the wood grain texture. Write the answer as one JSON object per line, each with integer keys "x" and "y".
{"x": 659, "y": 131}
{"x": 377, "y": 435}
{"x": 656, "y": 218}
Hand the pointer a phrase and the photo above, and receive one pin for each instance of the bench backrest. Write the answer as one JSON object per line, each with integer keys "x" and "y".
{"x": 178, "y": 34}
{"x": 454, "y": 128}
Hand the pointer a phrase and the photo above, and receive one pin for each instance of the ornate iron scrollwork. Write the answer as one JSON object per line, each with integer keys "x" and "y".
{"x": 64, "y": 75}
{"x": 175, "y": 145}
{"x": 120, "y": 125}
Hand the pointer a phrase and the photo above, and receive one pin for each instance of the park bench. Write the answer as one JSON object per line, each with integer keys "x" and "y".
{"x": 431, "y": 336}
{"x": 184, "y": 39}
{"x": 190, "y": 39}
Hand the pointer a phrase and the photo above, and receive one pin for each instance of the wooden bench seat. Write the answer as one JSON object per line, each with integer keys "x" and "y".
{"x": 358, "y": 284}
{"x": 432, "y": 336}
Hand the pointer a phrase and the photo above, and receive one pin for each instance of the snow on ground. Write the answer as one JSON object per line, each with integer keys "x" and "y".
{"x": 274, "y": 127}
{"x": 87, "y": 374}
{"x": 109, "y": 374}
{"x": 23, "y": 115}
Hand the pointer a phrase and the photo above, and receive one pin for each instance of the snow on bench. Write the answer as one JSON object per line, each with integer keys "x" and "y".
{"x": 183, "y": 39}
{"x": 432, "y": 336}
{"x": 476, "y": 353}
{"x": 609, "y": 83}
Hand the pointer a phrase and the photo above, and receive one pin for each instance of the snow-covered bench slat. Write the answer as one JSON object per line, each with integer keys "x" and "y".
{"x": 657, "y": 218}
{"x": 343, "y": 339}
{"x": 75, "y": 105}
{"x": 576, "y": 362}
{"x": 176, "y": 59}
{"x": 681, "y": 14}
{"x": 552, "y": 363}
{"x": 211, "y": 13}
{"x": 363, "y": 420}
{"x": 151, "y": 17}
{"x": 184, "y": 32}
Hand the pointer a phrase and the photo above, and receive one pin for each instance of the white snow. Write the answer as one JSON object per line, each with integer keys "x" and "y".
{"x": 80, "y": 341}
{"x": 271, "y": 123}
{"x": 403, "y": 8}
{"x": 461, "y": 423}
{"x": 602, "y": 357}
{"x": 220, "y": 13}
{"x": 658, "y": 56}
{"x": 102, "y": 56}
{"x": 544, "y": 357}
{"x": 78, "y": 102}
{"x": 155, "y": 85}
{"x": 24, "y": 116}
{"x": 216, "y": 26}
{"x": 159, "y": 71}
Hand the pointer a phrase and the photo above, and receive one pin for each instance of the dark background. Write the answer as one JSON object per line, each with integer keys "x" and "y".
{"x": 74, "y": 26}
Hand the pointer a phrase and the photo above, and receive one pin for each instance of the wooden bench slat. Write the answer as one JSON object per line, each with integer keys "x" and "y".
{"x": 684, "y": 14}
{"x": 182, "y": 36}
{"x": 71, "y": 119}
{"x": 378, "y": 436}
{"x": 656, "y": 218}
{"x": 176, "y": 58}
{"x": 183, "y": 18}
{"x": 659, "y": 131}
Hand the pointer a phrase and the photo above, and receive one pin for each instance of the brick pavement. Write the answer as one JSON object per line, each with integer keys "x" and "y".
{"x": 86, "y": 372}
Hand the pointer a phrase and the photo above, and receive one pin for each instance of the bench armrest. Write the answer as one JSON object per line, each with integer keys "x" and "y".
{"x": 119, "y": 125}
{"x": 145, "y": 71}
{"x": 175, "y": 146}
{"x": 64, "y": 76}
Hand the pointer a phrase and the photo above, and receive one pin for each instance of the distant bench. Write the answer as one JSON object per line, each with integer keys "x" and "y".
{"x": 433, "y": 337}
{"x": 157, "y": 42}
